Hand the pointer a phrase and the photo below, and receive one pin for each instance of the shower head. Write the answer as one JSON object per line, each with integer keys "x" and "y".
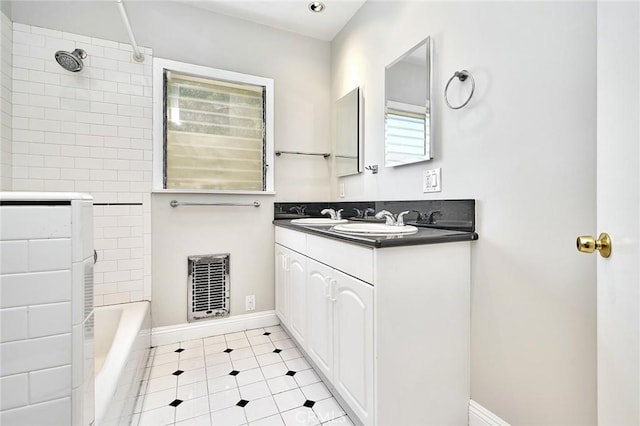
{"x": 71, "y": 61}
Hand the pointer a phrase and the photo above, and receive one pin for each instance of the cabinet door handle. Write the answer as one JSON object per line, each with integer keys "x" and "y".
{"x": 285, "y": 263}
{"x": 333, "y": 290}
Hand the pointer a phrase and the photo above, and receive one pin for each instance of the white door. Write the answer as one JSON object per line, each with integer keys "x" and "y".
{"x": 619, "y": 212}
{"x": 296, "y": 270}
{"x": 282, "y": 289}
{"x": 353, "y": 343}
{"x": 319, "y": 316}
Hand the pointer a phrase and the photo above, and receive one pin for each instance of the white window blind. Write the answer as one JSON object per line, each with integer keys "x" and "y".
{"x": 214, "y": 134}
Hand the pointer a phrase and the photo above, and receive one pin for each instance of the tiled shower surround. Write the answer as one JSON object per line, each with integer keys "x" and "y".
{"x": 89, "y": 132}
{"x": 6, "y": 44}
{"x": 46, "y": 311}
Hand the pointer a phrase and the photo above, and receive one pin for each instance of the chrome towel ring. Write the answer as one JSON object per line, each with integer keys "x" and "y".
{"x": 462, "y": 76}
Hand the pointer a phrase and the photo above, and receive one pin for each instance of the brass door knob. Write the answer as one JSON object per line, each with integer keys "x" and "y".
{"x": 588, "y": 244}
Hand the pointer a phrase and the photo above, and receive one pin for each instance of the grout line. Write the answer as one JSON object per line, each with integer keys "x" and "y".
{"x": 206, "y": 378}
{"x": 203, "y": 356}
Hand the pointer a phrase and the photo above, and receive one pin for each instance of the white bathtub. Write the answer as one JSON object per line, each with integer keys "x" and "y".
{"x": 122, "y": 342}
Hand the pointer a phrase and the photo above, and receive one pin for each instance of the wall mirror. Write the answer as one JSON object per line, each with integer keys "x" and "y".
{"x": 348, "y": 153}
{"x": 407, "y": 113}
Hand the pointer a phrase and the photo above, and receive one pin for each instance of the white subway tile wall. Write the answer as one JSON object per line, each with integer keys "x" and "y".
{"x": 6, "y": 83}
{"x": 91, "y": 132}
{"x": 37, "y": 374}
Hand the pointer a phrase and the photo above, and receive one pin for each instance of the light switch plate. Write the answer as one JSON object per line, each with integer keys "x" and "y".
{"x": 431, "y": 180}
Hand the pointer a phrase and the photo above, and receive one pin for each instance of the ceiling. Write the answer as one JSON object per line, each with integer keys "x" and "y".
{"x": 288, "y": 15}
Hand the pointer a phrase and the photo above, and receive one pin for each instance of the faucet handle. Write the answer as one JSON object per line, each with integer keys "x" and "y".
{"x": 431, "y": 216}
{"x": 339, "y": 214}
{"x": 387, "y": 215}
{"x": 368, "y": 211}
{"x": 400, "y": 219}
{"x": 298, "y": 209}
{"x": 421, "y": 216}
{"x": 330, "y": 212}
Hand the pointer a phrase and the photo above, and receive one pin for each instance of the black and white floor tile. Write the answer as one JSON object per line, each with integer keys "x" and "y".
{"x": 255, "y": 377}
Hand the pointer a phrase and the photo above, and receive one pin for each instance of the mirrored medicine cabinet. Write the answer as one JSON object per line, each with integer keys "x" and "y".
{"x": 407, "y": 116}
{"x": 349, "y": 141}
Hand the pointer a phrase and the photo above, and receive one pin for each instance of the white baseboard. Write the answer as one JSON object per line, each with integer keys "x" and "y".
{"x": 197, "y": 330}
{"x": 480, "y": 416}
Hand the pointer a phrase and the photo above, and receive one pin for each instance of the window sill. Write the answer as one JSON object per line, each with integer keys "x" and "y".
{"x": 211, "y": 192}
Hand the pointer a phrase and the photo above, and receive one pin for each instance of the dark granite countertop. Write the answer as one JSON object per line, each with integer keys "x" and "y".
{"x": 424, "y": 235}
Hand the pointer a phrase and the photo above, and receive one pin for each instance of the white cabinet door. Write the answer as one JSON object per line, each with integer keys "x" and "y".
{"x": 282, "y": 288}
{"x": 297, "y": 274}
{"x": 353, "y": 343}
{"x": 320, "y": 316}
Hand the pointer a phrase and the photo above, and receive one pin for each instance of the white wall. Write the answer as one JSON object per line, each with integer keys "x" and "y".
{"x": 525, "y": 149}
{"x": 300, "y": 68}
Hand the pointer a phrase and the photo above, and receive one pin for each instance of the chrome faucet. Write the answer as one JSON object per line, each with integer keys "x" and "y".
{"x": 364, "y": 214}
{"x": 390, "y": 219}
{"x": 432, "y": 216}
{"x": 387, "y": 215}
{"x": 298, "y": 209}
{"x": 335, "y": 215}
{"x": 428, "y": 218}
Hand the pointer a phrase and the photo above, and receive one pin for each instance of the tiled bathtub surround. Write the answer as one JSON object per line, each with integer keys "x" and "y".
{"x": 46, "y": 310}
{"x": 120, "y": 239}
{"x": 89, "y": 132}
{"x": 254, "y": 377}
{"x": 6, "y": 60}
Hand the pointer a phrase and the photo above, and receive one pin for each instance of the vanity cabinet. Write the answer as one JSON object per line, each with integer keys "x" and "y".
{"x": 353, "y": 352}
{"x": 296, "y": 272}
{"x": 291, "y": 291}
{"x": 282, "y": 288}
{"x": 320, "y": 313}
{"x": 340, "y": 333}
{"x": 387, "y": 328}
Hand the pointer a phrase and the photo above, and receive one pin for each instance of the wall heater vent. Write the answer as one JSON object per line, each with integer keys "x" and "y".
{"x": 208, "y": 286}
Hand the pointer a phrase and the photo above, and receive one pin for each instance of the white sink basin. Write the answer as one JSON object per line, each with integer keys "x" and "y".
{"x": 318, "y": 221}
{"x": 375, "y": 229}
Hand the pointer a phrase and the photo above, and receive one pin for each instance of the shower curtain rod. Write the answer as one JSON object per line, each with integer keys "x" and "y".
{"x": 137, "y": 54}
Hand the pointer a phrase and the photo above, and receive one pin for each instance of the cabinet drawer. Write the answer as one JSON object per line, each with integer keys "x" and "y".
{"x": 294, "y": 240}
{"x": 354, "y": 260}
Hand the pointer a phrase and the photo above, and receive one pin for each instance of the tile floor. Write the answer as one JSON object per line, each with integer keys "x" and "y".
{"x": 255, "y": 377}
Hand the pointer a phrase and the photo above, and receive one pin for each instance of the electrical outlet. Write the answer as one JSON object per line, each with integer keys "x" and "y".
{"x": 342, "y": 190}
{"x": 431, "y": 180}
{"x": 250, "y": 303}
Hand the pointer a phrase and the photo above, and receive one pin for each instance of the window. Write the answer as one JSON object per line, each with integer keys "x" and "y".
{"x": 213, "y": 129}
